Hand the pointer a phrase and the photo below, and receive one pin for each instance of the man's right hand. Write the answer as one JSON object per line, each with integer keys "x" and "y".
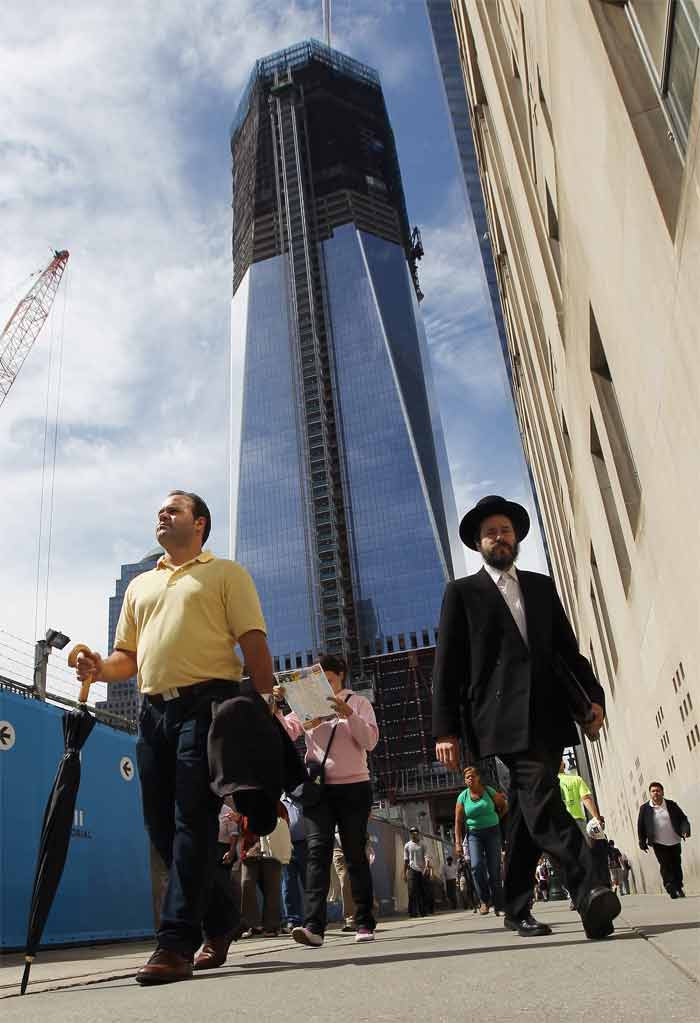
{"x": 89, "y": 666}
{"x": 447, "y": 751}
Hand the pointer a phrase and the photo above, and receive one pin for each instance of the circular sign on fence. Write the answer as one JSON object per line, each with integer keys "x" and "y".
{"x": 7, "y": 736}
{"x": 126, "y": 768}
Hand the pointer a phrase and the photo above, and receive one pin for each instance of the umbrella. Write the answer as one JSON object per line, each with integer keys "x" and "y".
{"x": 56, "y": 829}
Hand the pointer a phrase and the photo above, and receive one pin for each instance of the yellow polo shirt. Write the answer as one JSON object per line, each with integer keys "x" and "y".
{"x": 184, "y": 622}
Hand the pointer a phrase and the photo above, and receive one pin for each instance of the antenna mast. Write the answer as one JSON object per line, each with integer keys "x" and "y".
{"x": 327, "y": 21}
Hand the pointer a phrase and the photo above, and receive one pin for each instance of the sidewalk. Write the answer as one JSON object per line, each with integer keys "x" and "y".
{"x": 441, "y": 968}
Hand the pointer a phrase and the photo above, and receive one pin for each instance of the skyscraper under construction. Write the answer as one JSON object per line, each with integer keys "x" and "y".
{"x": 341, "y": 498}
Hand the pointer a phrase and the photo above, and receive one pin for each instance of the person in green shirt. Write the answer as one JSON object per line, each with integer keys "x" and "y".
{"x": 577, "y": 798}
{"x": 478, "y": 810}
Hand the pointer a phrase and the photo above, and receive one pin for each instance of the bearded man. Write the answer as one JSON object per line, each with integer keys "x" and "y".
{"x": 497, "y": 686}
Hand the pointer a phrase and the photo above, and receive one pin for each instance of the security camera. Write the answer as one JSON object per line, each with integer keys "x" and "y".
{"x": 56, "y": 640}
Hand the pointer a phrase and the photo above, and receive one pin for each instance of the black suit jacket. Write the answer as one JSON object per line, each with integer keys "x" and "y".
{"x": 502, "y": 695}
{"x": 645, "y": 822}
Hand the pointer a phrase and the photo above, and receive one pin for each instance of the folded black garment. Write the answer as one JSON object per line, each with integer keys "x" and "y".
{"x": 251, "y": 758}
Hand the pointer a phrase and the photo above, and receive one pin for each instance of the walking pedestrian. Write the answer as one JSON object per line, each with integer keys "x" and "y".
{"x": 343, "y": 874}
{"x": 662, "y": 825}
{"x": 414, "y": 857}
{"x": 626, "y": 868}
{"x": 178, "y": 631}
{"x": 578, "y": 798}
{"x": 615, "y": 866}
{"x": 449, "y": 880}
{"x": 262, "y": 869}
{"x": 345, "y": 801}
{"x": 477, "y": 812}
{"x": 502, "y": 636}
{"x": 294, "y": 872}
{"x": 542, "y": 880}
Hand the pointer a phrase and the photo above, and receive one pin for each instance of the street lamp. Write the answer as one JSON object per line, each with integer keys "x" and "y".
{"x": 54, "y": 640}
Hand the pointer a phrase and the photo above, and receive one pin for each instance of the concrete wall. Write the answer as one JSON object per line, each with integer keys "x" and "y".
{"x": 594, "y": 218}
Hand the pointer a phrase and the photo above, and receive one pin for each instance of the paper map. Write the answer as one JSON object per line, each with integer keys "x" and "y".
{"x": 307, "y": 691}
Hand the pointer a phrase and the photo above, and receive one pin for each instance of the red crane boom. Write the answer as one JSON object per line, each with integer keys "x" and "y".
{"x": 22, "y": 328}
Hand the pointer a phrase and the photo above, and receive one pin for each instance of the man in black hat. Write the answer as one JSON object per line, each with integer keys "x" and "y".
{"x": 495, "y": 682}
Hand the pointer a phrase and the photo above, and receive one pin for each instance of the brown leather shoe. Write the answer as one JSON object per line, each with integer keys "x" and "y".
{"x": 213, "y": 952}
{"x": 164, "y": 967}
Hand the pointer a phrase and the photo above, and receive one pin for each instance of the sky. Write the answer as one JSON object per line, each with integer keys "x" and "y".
{"x": 114, "y": 145}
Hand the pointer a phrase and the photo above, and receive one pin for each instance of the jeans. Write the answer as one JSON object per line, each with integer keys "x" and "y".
{"x": 348, "y": 807}
{"x": 293, "y": 884}
{"x": 485, "y": 856}
{"x": 181, "y": 816}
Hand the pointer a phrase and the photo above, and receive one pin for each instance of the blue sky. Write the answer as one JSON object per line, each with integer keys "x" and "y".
{"x": 114, "y": 144}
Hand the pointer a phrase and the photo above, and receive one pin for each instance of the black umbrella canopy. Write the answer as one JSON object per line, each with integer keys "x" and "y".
{"x": 56, "y": 829}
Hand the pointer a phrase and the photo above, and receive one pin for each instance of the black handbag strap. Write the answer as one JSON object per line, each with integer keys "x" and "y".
{"x": 328, "y": 747}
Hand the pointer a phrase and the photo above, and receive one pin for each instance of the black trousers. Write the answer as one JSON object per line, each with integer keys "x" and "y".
{"x": 669, "y": 857}
{"x": 181, "y": 815}
{"x": 348, "y": 807}
{"x": 538, "y": 821}
{"x": 417, "y": 895}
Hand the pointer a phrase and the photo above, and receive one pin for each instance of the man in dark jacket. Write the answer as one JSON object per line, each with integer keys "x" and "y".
{"x": 496, "y": 683}
{"x": 662, "y": 824}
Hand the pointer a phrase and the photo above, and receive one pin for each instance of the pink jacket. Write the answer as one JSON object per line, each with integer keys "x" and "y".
{"x": 354, "y": 736}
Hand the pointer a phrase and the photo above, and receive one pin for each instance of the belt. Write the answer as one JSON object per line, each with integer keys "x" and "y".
{"x": 188, "y": 694}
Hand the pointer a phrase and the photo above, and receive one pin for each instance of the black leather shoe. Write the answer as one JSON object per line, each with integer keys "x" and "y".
{"x": 527, "y": 926}
{"x": 598, "y": 909}
{"x": 164, "y": 967}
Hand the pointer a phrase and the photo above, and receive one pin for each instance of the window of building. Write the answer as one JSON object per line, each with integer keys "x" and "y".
{"x": 668, "y": 32}
{"x": 610, "y": 507}
{"x": 602, "y": 619}
{"x": 614, "y": 425}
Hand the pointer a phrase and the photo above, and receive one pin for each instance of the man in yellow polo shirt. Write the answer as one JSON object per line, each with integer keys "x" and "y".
{"x": 576, "y": 795}
{"x": 178, "y": 630}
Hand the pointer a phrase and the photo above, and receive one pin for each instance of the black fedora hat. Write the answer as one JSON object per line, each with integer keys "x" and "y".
{"x": 493, "y": 505}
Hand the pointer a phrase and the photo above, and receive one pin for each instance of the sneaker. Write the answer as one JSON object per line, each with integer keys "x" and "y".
{"x": 364, "y": 934}
{"x": 304, "y": 936}
{"x": 348, "y": 927}
{"x": 252, "y": 932}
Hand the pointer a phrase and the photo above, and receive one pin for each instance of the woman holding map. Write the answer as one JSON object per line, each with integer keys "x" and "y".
{"x": 344, "y": 800}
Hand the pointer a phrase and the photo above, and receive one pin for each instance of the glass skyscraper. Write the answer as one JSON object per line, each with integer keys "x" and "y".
{"x": 123, "y": 697}
{"x": 341, "y": 498}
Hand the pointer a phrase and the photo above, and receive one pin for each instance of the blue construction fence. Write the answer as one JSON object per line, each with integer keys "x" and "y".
{"x": 105, "y": 892}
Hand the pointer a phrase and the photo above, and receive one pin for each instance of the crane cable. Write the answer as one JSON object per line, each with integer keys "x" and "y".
{"x": 46, "y": 454}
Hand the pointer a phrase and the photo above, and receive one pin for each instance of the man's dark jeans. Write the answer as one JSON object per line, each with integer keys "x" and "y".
{"x": 293, "y": 884}
{"x": 348, "y": 806}
{"x": 181, "y": 815}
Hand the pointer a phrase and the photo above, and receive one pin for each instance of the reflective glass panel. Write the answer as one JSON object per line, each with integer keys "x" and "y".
{"x": 270, "y": 527}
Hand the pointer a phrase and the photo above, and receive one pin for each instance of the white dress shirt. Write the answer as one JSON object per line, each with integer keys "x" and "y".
{"x": 509, "y": 588}
{"x": 664, "y": 832}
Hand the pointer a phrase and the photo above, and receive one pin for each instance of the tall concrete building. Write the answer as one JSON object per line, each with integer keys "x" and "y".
{"x": 343, "y": 504}
{"x": 585, "y": 119}
{"x": 123, "y": 697}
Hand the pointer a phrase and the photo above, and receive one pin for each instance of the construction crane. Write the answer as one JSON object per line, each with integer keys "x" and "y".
{"x": 23, "y": 327}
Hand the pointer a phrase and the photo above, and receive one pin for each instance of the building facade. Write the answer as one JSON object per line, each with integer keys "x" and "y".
{"x": 585, "y": 120}
{"x": 123, "y": 697}
{"x": 343, "y": 506}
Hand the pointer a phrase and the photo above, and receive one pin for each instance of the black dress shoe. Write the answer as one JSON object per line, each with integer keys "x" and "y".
{"x": 526, "y": 926}
{"x": 598, "y": 909}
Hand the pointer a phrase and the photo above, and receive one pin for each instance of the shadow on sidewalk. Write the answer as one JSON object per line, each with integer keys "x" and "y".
{"x": 649, "y": 930}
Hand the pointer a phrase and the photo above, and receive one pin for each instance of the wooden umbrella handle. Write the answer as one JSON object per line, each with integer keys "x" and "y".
{"x": 81, "y": 648}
